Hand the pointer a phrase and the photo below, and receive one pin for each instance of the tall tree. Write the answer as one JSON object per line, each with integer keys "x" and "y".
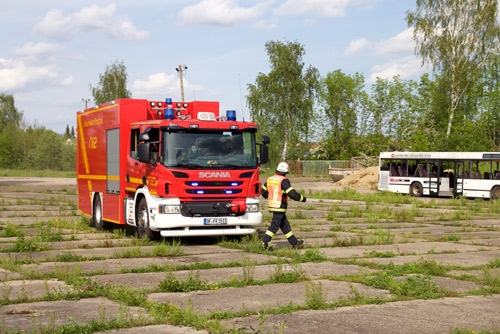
{"x": 340, "y": 96}
{"x": 458, "y": 37}
{"x": 112, "y": 84}
{"x": 8, "y": 111}
{"x": 282, "y": 101}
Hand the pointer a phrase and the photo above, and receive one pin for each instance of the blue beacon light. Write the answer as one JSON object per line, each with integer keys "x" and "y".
{"x": 231, "y": 115}
{"x": 169, "y": 113}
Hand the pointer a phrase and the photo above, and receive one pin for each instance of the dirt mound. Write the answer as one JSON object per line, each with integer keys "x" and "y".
{"x": 364, "y": 178}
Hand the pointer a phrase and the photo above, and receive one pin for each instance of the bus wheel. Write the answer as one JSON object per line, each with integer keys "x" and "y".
{"x": 416, "y": 190}
{"x": 495, "y": 192}
{"x": 97, "y": 213}
{"x": 142, "y": 229}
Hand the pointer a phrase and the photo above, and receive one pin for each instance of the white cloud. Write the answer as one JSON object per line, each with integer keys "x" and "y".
{"x": 328, "y": 8}
{"x": 357, "y": 45}
{"x": 68, "y": 81}
{"x": 161, "y": 85}
{"x": 59, "y": 25}
{"x": 264, "y": 25}
{"x": 220, "y": 12}
{"x": 17, "y": 74}
{"x": 310, "y": 23}
{"x": 37, "y": 50}
{"x": 401, "y": 44}
{"x": 405, "y": 67}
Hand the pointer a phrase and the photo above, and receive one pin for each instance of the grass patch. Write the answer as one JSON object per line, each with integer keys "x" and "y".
{"x": 36, "y": 173}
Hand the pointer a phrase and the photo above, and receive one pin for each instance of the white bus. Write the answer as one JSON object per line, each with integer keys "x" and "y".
{"x": 469, "y": 174}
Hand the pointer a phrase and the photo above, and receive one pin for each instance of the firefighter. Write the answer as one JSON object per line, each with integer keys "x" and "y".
{"x": 276, "y": 190}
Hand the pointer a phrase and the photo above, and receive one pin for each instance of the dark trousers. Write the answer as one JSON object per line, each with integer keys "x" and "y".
{"x": 279, "y": 222}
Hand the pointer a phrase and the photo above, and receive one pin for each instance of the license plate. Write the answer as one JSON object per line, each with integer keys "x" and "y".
{"x": 215, "y": 221}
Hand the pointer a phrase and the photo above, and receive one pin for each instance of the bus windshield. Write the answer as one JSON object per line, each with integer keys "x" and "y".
{"x": 215, "y": 149}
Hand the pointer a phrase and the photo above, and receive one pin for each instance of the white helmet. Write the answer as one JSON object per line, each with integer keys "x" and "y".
{"x": 282, "y": 167}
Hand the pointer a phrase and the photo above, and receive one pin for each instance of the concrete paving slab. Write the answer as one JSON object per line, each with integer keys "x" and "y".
{"x": 409, "y": 317}
{"x": 216, "y": 275}
{"x": 116, "y": 265}
{"x": 45, "y": 213}
{"x": 455, "y": 285}
{"x": 34, "y": 220}
{"x": 31, "y": 316}
{"x": 110, "y": 252}
{"x": 401, "y": 248}
{"x": 495, "y": 272}
{"x": 156, "y": 329}
{"x": 470, "y": 259}
{"x": 486, "y": 242}
{"x": 30, "y": 289}
{"x": 8, "y": 275}
{"x": 254, "y": 298}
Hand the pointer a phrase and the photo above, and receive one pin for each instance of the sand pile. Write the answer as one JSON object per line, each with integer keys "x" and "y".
{"x": 364, "y": 178}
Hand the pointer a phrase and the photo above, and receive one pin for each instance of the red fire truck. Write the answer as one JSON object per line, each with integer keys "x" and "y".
{"x": 169, "y": 168}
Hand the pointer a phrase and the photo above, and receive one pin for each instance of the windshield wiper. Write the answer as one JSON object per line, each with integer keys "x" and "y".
{"x": 187, "y": 165}
{"x": 233, "y": 166}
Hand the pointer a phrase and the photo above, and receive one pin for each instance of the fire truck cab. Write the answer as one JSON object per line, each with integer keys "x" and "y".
{"x": 169, "y": 169}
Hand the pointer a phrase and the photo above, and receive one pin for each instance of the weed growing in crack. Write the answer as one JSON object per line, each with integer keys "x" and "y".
{"x": 315, "y": 296}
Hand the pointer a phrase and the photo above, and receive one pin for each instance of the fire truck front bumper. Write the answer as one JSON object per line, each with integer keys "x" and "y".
{"x": 176, "y": 225}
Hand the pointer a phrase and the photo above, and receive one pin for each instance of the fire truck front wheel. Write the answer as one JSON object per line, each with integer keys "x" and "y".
{"x": 142, "y": 229}
{"x": 97, "y": 213}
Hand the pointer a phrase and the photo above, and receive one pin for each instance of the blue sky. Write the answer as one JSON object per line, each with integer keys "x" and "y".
{"x": 52, "y": 50}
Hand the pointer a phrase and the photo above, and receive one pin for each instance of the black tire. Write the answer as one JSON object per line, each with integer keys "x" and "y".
{"x": 142, "y": 229}
{"x": 97, "y": 213}
{"x": 416, "y": 190}
{"x": 495, "y": 193}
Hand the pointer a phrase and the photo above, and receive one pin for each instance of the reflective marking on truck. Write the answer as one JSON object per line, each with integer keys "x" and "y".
{"x": 83, "y": 146}
{"x": 99, "y": 177}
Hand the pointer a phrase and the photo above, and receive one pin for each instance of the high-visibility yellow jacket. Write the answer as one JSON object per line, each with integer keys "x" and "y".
{"x": 276, "y": 190}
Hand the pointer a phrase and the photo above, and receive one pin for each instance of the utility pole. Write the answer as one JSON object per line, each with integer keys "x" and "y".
{"x": 86, "y": 101}
{"x": 181, "y": 69}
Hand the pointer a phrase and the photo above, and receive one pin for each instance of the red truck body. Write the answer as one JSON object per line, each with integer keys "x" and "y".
{"x": 169, "y": 168}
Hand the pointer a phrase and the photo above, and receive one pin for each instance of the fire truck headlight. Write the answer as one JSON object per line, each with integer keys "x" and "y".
{"x": 253, "y": 207}
{"x": 169, "y": 209}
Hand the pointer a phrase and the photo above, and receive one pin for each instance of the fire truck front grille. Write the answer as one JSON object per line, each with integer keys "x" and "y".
{"x": 213, "y": 183}
{"x": 213, "y": 191}
{"x": 206, "y": 209}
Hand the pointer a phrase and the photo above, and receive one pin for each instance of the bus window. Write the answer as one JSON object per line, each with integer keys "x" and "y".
{"x": 384, "y": 164}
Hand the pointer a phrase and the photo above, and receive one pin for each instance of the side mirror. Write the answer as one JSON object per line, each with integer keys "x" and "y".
{"x": 143, "y": 152}
{"x": 144, "y": 137}
{"x": 265, "y": 139}
{"x": 264, "y": 153}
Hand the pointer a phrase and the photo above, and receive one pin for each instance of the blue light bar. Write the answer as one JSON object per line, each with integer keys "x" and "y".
{"x": 229, "y": 191}
{"x": 194, "y": 184}
{"x": 200, "y": 192}
{"x": 234, "y": 184}
{"x": 169, "y": 113}
{"x": 231, "y": 115}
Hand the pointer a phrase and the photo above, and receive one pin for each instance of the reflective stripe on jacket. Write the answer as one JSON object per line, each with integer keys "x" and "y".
{"x": 275, "y": 193}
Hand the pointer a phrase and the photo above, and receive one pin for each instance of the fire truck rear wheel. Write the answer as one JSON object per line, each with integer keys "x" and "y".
{"x": 97, "y": 213}
{"x": 142, "y": 229}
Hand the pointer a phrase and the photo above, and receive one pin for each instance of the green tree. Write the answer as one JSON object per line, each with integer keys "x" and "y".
{"x": 341, "y": 99}
{"x": 282, "y": 100}
{"x": 457, "y": 37}
{"x": 8, "y": 111}
{"x": 112, "y": 84}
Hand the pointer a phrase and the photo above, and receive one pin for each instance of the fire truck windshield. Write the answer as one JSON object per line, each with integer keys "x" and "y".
{"x": 217, "y": 149}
